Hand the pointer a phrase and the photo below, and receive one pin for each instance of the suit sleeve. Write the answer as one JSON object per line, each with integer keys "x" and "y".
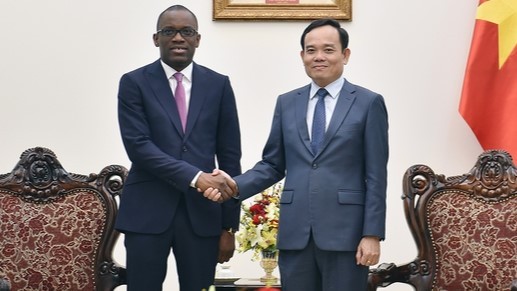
{"x": 271, "y": 168}
{"x": 376, "y": 159}
{"x": 136, "y": 135}
{"x": 229, "y": 151}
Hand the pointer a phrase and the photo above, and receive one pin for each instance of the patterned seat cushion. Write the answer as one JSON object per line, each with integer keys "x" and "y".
{"x": 51, "y": 246}
{"x": 475, "y": 241}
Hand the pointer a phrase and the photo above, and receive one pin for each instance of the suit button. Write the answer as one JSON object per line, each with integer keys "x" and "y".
{"x": 314, "y": 166}
{"x": 184, "y": 148}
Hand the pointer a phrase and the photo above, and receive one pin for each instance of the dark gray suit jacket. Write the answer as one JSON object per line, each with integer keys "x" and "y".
{"x": 340, "y": 193}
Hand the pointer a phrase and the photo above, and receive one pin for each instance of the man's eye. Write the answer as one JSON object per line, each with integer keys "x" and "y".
{"x": 187, "y": 32}
{"x": 168, "y": 32}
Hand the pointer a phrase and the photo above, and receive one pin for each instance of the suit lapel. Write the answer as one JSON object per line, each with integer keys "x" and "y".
{"x": 302, "y": 101}
{"x": 197, "y": 97}
{"x": 162, "y": 91}
{"x": 343, "y": 105}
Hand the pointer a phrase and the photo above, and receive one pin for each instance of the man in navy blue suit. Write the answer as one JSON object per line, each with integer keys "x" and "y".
{"x": 160, "y": 208}
{"x": 329, "y": 139}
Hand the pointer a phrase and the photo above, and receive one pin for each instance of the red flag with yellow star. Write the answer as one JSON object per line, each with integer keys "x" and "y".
{"x": 489, "y": 96}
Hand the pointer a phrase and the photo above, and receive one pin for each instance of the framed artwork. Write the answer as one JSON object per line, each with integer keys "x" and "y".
{"x": 255, "y": 10}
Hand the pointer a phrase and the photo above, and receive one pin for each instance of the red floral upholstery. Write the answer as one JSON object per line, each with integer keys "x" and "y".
{"x": 465, "y": 228}
{"x": 57, "y": 227}
{"x": 475, "y": 242}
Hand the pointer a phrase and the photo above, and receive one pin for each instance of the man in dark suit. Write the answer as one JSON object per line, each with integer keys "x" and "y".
{"x": 330, "y": 141}
{"x": 173, "y": 147}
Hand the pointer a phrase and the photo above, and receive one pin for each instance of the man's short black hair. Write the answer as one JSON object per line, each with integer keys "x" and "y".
{"x": 343, "y": 35}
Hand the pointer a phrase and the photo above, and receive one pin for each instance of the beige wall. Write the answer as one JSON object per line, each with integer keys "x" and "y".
{"x": 61, "y": 61}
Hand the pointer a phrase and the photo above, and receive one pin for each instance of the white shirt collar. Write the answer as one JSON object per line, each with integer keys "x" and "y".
{"x": 169, "y": 72}
{"x": 333, "y": 88}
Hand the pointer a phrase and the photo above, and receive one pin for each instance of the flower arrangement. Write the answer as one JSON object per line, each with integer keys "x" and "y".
{"x": 259, "y": 222}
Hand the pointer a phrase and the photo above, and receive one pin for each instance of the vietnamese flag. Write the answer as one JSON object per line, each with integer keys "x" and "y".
{"x": 489, "y": 96}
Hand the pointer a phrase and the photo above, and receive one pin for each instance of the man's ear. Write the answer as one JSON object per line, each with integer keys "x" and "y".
{"x": 155, "y": 40}
{"x": 346, "y": 56}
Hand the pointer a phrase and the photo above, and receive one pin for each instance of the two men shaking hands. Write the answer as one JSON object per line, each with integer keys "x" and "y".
{"x": 218, "y": 185}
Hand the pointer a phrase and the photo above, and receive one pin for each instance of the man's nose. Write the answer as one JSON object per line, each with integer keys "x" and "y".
{"x": 178, "y": 37}
{"x": 319, "y": 56}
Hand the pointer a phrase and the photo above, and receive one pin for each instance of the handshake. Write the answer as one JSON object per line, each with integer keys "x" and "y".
{"x": 217, "y": 186}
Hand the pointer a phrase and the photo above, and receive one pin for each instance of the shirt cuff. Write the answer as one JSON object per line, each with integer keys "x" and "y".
{"x": 194, "y": 181}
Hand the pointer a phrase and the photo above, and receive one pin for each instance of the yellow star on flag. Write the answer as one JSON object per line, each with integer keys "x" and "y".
{"x": 504, "y": 14}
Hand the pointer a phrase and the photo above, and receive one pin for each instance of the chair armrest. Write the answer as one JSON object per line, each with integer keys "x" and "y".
{"x": 386, "y": 274}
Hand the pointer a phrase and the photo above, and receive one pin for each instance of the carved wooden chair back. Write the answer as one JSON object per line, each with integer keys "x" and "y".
{"x": 57, "y": 227}
{"x": 465, "y": 228}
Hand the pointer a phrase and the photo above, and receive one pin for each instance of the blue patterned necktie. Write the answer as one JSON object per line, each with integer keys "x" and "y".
{"x": 318, "y": 122}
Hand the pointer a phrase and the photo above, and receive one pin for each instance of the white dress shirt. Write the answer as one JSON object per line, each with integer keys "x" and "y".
{"x": 334, "y": 89}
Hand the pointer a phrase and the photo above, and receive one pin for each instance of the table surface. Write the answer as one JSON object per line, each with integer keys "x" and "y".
{"x": 254, "y": 282}
{"x": 242, "y": 282}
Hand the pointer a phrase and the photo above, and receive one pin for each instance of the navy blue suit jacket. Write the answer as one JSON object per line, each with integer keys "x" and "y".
{"x": 165, "y": 160}
{"x": 339, "y": 193}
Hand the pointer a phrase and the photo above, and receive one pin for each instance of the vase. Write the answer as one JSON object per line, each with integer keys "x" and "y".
{"x": 269, "y": 262}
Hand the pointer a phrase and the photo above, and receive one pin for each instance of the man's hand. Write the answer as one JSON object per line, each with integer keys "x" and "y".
{"x": 212, "y": 194}
{"x": 224, "y": 186}
{"x": 226, "y": 246}
{"x": 368, "y": 251}
{"x": 216, "y": 194}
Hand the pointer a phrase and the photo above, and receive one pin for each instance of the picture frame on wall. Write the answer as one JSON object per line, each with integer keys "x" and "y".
{"x": 256, "y": 10}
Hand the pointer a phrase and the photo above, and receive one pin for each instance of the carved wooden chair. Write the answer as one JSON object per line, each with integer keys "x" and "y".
{"x": 465, "y": 228}
{"x": 57, "y": 227}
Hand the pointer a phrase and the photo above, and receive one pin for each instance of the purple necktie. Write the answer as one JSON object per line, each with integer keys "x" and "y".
{"x": 179, "y": 95}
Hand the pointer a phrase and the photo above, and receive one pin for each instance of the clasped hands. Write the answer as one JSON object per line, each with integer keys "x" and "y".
{"x": 217, "y": 186}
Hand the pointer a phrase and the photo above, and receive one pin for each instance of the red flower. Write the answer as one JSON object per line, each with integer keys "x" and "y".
{"x": 256, "y": 219}
{"x": 259, "y": 222}
{"x": 259, "y": 218}
{"x": 257, "y": 209}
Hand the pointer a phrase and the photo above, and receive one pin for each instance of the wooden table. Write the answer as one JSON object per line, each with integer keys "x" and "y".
{"x": 243, "y": 284}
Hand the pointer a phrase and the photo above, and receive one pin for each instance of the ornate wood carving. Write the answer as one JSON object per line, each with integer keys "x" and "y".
{"x": 492, "y": 180}
{"x": 39, "y": 178}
